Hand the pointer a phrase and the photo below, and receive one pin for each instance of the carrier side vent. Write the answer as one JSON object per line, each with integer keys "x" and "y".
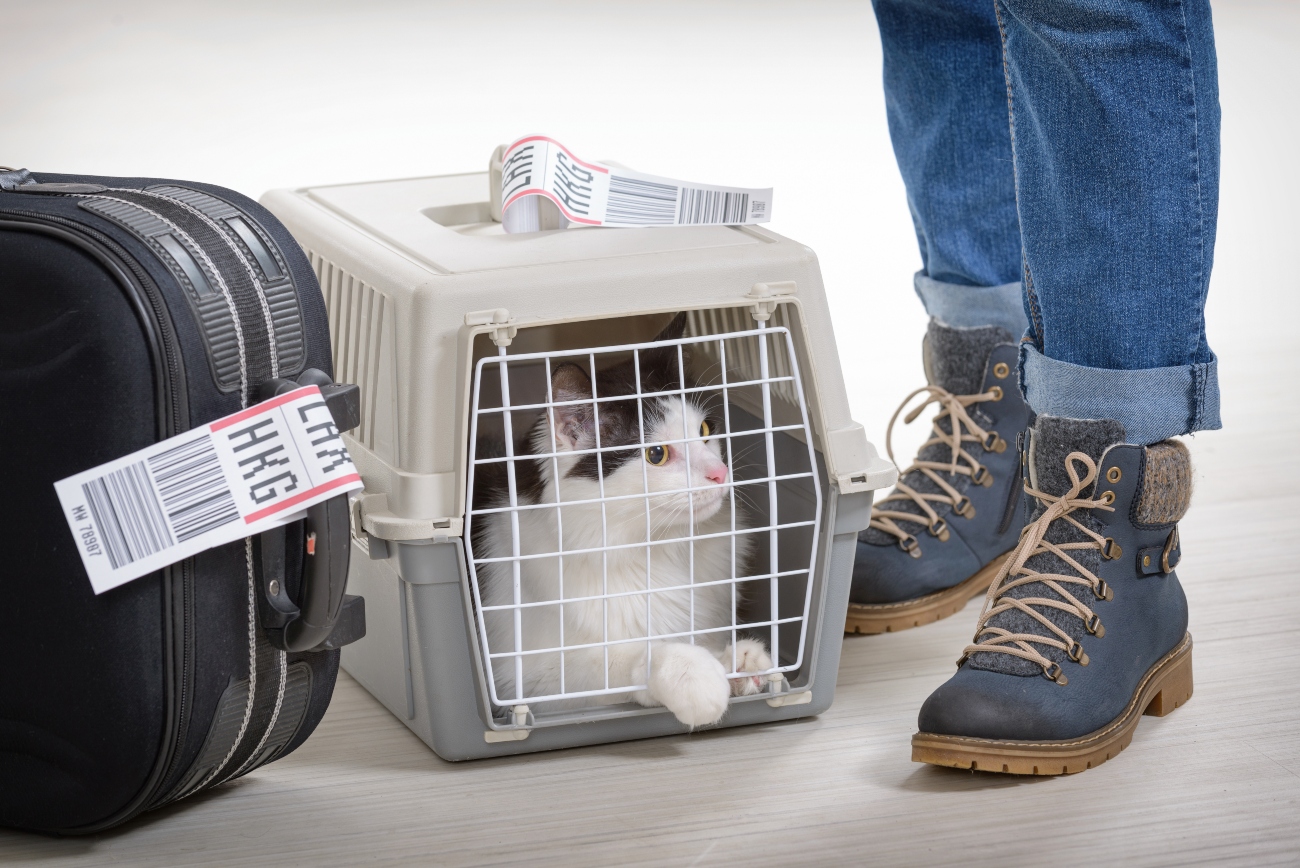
{"x": 742, "y": 360}
{"x": 356, "y": 317}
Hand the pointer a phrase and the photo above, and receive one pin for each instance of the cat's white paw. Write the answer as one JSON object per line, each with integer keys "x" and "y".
{"x": 751, "y": 656}
{"x": 690, "y": 682}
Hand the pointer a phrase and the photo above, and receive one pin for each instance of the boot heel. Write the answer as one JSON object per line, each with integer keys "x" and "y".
{"x": 1175, "y": 687}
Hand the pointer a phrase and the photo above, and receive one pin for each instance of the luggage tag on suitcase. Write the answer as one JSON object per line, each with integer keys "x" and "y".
{"x": 238, "y": 476}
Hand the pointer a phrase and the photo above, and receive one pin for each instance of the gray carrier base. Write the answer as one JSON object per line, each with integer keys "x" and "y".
{"x": 421, "y": 660}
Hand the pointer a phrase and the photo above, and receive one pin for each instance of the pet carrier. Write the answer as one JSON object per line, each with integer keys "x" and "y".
{"x": 599, "y": 464}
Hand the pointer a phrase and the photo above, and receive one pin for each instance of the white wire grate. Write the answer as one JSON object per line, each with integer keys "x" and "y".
{"x": 615, "y": 504}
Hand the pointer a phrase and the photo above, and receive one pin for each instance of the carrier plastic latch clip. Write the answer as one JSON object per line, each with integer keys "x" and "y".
{"x": 500, "y": 317}
{"x": 767, "y": 297}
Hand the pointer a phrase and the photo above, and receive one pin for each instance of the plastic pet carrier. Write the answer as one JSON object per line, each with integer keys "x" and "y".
{"x": 612, "y": 487}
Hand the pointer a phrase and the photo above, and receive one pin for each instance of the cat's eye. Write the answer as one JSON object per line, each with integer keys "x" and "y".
{"x": 657, "y": 455}
{"x": 705, "y": 431}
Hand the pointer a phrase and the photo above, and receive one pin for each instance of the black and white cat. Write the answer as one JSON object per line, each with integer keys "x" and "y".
{"x": 605, "y": 591}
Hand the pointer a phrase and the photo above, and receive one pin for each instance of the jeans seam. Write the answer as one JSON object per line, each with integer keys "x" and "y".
{"x": 1035, "y": 313}
{"x": 1200, "y": 198}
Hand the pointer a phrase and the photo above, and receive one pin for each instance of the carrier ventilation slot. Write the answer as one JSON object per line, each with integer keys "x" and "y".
{"x": 356, "y": 318}
{"x": 742, "y": 361}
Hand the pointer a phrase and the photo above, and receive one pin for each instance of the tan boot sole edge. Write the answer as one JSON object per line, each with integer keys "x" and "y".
{"x": 1166, "y": 686}
{"x": 871, "y": 618}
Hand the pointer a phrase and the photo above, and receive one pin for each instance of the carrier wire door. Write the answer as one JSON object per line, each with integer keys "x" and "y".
{"x": 772, "y": 511}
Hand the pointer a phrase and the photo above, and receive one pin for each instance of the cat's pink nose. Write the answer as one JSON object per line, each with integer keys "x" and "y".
{"x": 717, "y": 473}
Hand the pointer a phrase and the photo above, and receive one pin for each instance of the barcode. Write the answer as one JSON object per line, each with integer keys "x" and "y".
{"x": 193, "y": 488}
{"x": 712, "y": 206}
{"x": 126, "y": 511}
{"x": 194, "y": 498}
{"x": 643, "y": 202}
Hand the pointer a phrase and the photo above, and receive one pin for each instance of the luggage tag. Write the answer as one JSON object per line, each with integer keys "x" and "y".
{"x": 594, "y": 194}
{"x": 238, "y": 476}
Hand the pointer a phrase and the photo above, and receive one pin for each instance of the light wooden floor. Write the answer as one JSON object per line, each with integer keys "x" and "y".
{"x": 1216, "y": 782}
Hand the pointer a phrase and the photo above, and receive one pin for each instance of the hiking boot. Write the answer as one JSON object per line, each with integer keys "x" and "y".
{"x": 1085, "y": 628}
{"x": 938, "y": 539}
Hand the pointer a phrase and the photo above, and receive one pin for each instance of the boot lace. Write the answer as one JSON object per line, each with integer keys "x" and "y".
{"x": 1014, "y": 574}
{"x": 965, "y": 430}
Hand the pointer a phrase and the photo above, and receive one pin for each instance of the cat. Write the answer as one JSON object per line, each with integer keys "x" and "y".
{"x": 690, "y": 680}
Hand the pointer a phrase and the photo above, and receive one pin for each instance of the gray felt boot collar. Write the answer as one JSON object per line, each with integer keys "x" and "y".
{"x": 955, "y": 358}
{"x": 1054, "y": 437}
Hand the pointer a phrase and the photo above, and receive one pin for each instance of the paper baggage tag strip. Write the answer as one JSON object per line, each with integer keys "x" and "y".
{"x": 235, "y": 477}
{"x": 596, "y": 195}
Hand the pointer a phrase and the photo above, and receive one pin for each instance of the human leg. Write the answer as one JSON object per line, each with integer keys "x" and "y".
{"x": 1115, "y": 128}
{"x": 934, "y": 542}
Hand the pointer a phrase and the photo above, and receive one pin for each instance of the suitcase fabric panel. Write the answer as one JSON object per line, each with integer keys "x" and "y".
{"x": 72, "y": 358}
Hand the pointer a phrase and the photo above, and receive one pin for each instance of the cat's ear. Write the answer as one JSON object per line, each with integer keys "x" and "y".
{"x": 659, "y": 366}
{"x": 575, "y": 423}
{"x": 674, "y": 329}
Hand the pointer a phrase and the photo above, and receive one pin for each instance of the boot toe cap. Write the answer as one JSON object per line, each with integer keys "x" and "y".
{"x": 981, "y": 704}
{"x": 887, "y": 574}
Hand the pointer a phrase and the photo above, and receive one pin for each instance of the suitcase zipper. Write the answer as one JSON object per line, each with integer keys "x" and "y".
{"x": 173, "y": 421}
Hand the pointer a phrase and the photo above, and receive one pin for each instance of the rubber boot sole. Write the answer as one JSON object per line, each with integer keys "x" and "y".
{"x": 874, "y": 618}
{"x": 1166, "y": 686}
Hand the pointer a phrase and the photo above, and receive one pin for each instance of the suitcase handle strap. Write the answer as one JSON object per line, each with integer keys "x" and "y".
{"x": 321, "y": 612}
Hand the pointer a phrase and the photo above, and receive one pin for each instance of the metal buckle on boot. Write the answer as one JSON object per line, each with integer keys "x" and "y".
{"x": 1171, "y": 548}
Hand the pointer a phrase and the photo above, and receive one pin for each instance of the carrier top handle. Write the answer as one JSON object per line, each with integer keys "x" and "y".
{"x": 324, "y": 617}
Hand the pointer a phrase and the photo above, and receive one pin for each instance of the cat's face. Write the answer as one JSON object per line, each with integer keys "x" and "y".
{"x": 673, "y": 453}
{"x": 680, "y": 467}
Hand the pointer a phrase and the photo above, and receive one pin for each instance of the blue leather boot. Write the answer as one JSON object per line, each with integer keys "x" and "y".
{"x": 939, "y": 538}
{"x": 1085, "y": 630}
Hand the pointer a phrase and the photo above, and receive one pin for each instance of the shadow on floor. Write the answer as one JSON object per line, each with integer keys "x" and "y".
{"x": 934, "y": 779}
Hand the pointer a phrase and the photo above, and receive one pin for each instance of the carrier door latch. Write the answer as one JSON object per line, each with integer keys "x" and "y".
{"x": 500, "y": 317}
{"x": 767, "y": 295}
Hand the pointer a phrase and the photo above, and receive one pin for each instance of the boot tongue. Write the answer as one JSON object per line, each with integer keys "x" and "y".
{"x": 1055, "y": 437}
{"x": 955, "y": 358}
{"x": 1052, "y": 439}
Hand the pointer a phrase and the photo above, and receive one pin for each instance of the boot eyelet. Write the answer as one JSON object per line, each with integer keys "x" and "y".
{"x": 1114, "y": 474}
{"x": 982, "y": 477}
{"x": 910, "y": 545}
{"x": 1077, "y": 654}
{"x": 1055, "y": 673}
{"x": 939, "y": 529}
{"x": 997, "y": 393}
{"x": 994, "y": 443}
{"x": 1000, "y": 370}
{"x": 1111, "y": 549}
{"x": 964, "y": 507}
{"x": 1103, "y": 591}
{"x": 1107, "y": 498}
{"x": 1094, "y": 626}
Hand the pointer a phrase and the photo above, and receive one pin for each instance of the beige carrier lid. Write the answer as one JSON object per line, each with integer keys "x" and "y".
{"x": 446, "y": 224}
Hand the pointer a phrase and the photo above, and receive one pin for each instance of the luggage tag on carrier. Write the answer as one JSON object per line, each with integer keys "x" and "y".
{"x": 594, "y": 194}
{"x": 238, "y": 476}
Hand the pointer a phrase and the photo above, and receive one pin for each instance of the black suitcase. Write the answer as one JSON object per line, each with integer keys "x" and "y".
{"x": 133, "y": 309}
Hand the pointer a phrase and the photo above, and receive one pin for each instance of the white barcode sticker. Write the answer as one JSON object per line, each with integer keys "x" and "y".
{"x": 592, "y": 194}
{"x": 235, "y": 477}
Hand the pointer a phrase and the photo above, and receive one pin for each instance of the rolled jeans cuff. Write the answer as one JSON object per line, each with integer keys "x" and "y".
{"x": 1152, "y": 403}
{"x": 973, "y": 306}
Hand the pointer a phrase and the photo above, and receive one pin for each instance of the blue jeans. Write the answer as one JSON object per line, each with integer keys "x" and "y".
{"x": 1061, "y": 159}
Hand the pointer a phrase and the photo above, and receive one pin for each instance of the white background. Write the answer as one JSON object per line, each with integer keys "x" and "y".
{"x": 260, "y": 95}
